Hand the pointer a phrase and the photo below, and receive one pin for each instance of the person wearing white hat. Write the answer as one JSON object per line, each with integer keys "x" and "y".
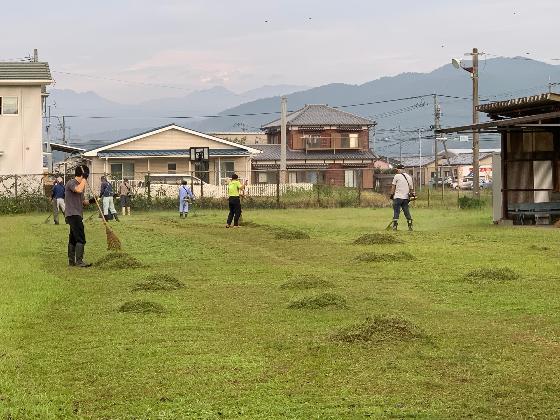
{"x": 57, "y": 198}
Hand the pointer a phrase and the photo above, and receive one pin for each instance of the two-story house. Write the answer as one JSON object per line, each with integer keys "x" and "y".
{"x": 22, "y": 94}
{"x": 324, "y": 145}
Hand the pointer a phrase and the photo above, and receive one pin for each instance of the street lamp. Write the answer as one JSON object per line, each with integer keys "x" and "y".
{"x": 475, "y": 147}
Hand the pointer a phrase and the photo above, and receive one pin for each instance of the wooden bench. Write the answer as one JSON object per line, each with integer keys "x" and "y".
{"x": 539, "y": 211}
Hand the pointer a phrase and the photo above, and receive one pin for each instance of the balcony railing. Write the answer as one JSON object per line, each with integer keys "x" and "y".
{"x": 330, "y": 143}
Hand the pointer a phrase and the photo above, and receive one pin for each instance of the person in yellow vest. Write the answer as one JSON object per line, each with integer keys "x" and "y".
{"x": 234, "y": 191}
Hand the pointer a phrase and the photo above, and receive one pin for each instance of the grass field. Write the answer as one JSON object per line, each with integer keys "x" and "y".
{"x": 461, "y": 318}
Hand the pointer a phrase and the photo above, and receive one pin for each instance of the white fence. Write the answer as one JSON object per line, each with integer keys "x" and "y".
{"x": 219, "y": 191}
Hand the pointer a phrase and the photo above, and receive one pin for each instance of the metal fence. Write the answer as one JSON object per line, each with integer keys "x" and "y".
{"x": 305, "y": 187}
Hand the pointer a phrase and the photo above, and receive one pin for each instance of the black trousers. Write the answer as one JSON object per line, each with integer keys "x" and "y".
{"x": 77, "y": 231}
{"x": 234, "y": 211}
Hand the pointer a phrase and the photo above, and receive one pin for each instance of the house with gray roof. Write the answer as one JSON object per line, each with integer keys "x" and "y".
{"x": 22, "y": 97}
{"x": 324, "y": 145}
{"x": 164, "y": 153}
{"x": 456, "y": 164}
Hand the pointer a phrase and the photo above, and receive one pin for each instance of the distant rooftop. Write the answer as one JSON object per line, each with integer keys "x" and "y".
{"x": 321, "y": 115}
{"x": 518, "y": 107}
{"x": 25, "y": 71}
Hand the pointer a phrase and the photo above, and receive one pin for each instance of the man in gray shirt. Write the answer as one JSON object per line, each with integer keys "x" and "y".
{"x": 75, "y": 202}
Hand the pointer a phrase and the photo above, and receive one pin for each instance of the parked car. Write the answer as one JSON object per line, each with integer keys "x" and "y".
{"x": 467, "y": 183}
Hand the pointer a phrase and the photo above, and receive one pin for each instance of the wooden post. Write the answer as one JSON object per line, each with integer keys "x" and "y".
{"x": 15, "y": 186}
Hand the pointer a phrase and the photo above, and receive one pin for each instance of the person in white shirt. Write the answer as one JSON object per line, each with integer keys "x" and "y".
{"x": 401, "y": 188}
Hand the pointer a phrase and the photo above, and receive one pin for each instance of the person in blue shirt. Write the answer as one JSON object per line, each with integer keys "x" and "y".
{"x": 57, "y": 198}
{"x": 185, "y": 197}
{"x": 106, "y": 195}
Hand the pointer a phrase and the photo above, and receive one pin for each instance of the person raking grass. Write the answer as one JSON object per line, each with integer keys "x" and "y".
{"x": 75, "y": 202}
{"x": 234, "y": 189}
{"x": 185, "y": 197}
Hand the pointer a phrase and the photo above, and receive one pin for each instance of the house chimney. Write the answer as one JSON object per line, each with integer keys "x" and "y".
{"x": 35, "y": 55}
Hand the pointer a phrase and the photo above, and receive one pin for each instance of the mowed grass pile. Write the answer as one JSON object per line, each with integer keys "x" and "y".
{"x": 456, "y": 319}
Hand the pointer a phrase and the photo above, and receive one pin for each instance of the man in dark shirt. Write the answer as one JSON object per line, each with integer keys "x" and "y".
{"x": 75, "y": 202}
{"x": 57, "y": 198}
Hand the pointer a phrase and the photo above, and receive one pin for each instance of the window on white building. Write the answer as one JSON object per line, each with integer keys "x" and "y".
{"x": 227, "y": 169}
{"x": 9, "y": 105}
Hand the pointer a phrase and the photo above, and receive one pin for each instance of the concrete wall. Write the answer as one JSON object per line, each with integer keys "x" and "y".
{"x": 21, "y": 134}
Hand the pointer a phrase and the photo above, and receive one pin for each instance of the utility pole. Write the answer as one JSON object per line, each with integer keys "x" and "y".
{"x": 283, "y": 147}
{"x": 400, "y": 144}
{"x": 476, "y": 134}
{"x": 437, "y": 125}
{"x": 420, "y": 160}
{"x": 63, "y": 130}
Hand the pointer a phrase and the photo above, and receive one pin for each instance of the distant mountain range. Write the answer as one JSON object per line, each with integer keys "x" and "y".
{"x": 500, "y": 78}
{"x": 90, "y": 112}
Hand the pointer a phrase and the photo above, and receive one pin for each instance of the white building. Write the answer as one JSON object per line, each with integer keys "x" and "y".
{"x": 22, "y": 93}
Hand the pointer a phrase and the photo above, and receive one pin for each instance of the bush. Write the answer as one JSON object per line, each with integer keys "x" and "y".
{"x": 471, "y": 203}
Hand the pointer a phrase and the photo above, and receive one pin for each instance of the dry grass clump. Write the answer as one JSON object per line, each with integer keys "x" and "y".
{"x": 158, "y": 282}
{"x": 377, "y": 239}
{"x": 118, "y": 260}
{"x": 491, "y": 274}
{"x": 378, "y": 257}
{"x": 319, "y": 301}
{"x": 141, "y": 307}
{"x": 291, "y": 234}
{"x": 306, "y": 281}
{"x": 539, "y": 248}
{"x": 379, "y": 329}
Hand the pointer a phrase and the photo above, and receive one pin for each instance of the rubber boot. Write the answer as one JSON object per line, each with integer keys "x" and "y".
{"x": 80, "y": 256}
{"x": 116, "y": 217}
{"x": 409, "y": 225}
{"x": 128, "y": 210}
{"x": 124, "y": 211}
{"x": 71, "y": 255}
{"x": 395, "y": 224}
{"x": 186, "y": 214}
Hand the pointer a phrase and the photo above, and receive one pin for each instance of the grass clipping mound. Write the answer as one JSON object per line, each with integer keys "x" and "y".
{"x": 141, "y": 307}
{"x": 306, "y": 281}
{"x": 118, "y": 260}
{"x": 377, "y": 239}
{"x": 379, "y": 329}
{"x": 324, "y": 300}
{"x": 491, "y": 274}
{"x": 375, "y": 257}
{"x": 158, "y": 282}
{"x": 291, "y": 234}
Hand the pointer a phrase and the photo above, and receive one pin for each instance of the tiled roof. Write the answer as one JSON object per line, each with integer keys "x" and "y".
{"x": 164, "y": 153}
{"x": 416, "y": 161}
{"x": 24, "y": 71}
{"x": 322, "y": 115}
{"x": 272, "y": 152}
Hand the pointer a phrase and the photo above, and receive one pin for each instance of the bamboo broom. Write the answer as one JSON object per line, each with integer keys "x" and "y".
{"x": 113, "y": 242}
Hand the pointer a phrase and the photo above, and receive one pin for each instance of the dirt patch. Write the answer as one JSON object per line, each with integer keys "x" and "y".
{"x": 379, "y": 329}
{"x": 118, "y": 260}
{"x": 325, "y": 300}
{"x": 377, "y": 257}
{"x": 291, "y": 234}
{"x": 305, "y": 282}
{"x": 491, "y": 274}
{"x": 142, "y": 307}
{"x": 377, "y": 239}
{"x": 158, "y": 282}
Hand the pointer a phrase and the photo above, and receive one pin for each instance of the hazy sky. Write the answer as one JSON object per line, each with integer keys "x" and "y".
{"x": 242, "y": 44}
